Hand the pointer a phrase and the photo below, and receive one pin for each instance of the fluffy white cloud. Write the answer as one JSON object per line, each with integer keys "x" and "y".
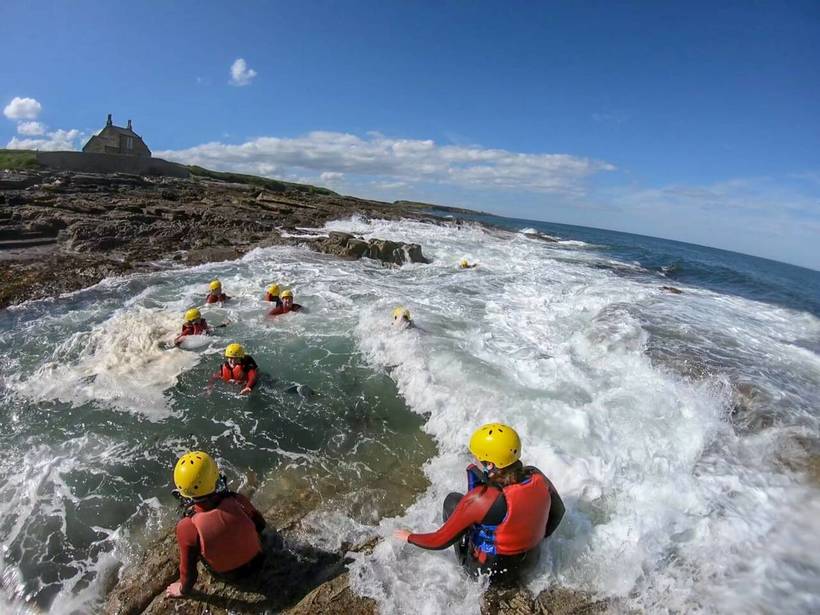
{"x": 22, "y": 109}
{"x": 57, "y": 140}
{"x": 31, "y": 129}
{"x": 241, "y": 73}
{"x": 380, "y": 158}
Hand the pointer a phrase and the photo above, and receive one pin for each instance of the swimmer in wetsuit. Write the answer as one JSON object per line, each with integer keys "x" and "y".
{"x": 498, "y": 526}
{"x": 286, "y": 305}
{"x": 239, "y": 368}
{"x": 218, "y": 526}
{"x": 215, "y": 294}
{"x": 272, "y": 295}
{"x": 193, "y": 324}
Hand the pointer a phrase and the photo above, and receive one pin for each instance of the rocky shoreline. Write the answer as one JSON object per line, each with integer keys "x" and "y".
{"x": 63, "y": 231}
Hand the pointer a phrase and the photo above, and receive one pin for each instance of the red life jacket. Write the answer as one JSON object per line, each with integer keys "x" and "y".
{"x": 523, "y": 529}
{"x": 212, "y": 298}
{"x": 197, "y": 327}
{"x": 227, "y": 536}
{"x": 238, "y": 373}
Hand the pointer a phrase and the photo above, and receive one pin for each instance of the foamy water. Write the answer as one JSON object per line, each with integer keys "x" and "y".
{"x": 623, "y": 394}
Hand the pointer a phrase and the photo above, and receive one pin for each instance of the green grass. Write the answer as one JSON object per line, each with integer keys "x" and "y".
{"x": 18, "y": 159}
{"x": 271, "y": 184}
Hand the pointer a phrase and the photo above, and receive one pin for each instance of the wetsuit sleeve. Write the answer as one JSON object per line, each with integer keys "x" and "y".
{"x": 557, "y": 510}
{"x": 250, "y": 510}
{"x": 188, "y": 541}
{"x": 469, "y": 511}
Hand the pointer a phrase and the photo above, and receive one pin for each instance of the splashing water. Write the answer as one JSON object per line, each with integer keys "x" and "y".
{"x": 677, "y": 428}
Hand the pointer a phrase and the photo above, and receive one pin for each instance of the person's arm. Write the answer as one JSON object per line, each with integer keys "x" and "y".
{"x": 188, "y": 541}
{"x": 557, "y": 510}
{"x": 470, "y": 510}
{"x": 250, "y": 510}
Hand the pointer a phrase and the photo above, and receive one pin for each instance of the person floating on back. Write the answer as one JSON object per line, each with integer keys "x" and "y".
{"x": 509, "y": 509}
{"x": 402, "y": 318}
{"x": 238, "y": 368}
{"x": 272, "y": 294}
{"x": 465, "y": 264}
{"x": 219, "y": 526}
{"x": 193, "y": 324}
{"x": 215, "y": 294}
{"x": 287, "y": 304}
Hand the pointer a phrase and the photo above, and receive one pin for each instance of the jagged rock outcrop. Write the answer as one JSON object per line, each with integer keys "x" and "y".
{"x": 346, "y": 245}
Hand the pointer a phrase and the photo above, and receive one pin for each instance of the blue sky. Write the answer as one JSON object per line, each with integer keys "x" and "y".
{"x": 697, "y": 121}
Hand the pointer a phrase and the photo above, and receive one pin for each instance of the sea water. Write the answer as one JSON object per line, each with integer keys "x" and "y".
{"x": 680, "y": 429}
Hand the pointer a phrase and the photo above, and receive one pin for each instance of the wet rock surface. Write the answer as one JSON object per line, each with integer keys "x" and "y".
{"x": 346, "y": 245}
{"x": 61, "y": 231}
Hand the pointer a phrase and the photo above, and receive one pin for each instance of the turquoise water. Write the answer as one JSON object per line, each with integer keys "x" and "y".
{"x": 678, "y": 428}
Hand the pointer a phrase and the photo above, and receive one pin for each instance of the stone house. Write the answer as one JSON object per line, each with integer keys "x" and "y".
{"x": 117, "y": 140}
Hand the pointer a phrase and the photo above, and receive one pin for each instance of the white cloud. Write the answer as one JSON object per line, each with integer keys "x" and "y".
{"x": 331, "y": 176}
{"x": 22, "y": 109}
{"x": 31, "y": 129}
{"x": 241, "y": 74}
{"x": 412, "y": 161}
{"x": 57, "y": 140}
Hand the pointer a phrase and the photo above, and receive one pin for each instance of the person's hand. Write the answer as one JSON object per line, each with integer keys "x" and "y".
{"x": 401, "y": 534}
{"x": 245, "y": 391}
{"x": 174, "y": 590}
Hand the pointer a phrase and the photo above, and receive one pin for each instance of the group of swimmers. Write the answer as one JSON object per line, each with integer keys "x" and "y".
{"x": 496, "y": 528}
{"x": 239, "y": 367}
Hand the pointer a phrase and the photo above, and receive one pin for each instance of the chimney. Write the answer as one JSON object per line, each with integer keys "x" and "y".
{"x": 129, "y": 125}
{"x": 108, "y": 123}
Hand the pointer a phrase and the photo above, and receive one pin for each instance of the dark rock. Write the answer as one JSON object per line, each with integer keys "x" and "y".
{"x": 672, "y": 289}
{"x": 346, "y": 245}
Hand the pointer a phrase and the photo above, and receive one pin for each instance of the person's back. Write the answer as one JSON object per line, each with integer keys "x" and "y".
{"x": 218, "y": 526}
{"x": 498, "y": 526}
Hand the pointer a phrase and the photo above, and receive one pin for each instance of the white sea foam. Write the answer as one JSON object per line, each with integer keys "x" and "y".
{"x": 120, "y": 361}
{"x": 669, "y": 507}
{"x": 660, "y": 491}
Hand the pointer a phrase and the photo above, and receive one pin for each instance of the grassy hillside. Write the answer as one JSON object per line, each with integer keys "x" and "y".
{"x": 18, "y": 159}
{"x": 271, "y": 184}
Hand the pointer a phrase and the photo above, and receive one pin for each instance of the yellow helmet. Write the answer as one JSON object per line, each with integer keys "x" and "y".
{"x": 497, "y": 444}
{"x": 196, "y": 474}
{"x": 401, "y": 313}
{"x": 215, "y": 285}
{"x": 273, "y": 289}
{"x": 463, "y": 263}
{"x": 234, "y": 351}
{"x": 192, "y": 315}
{"x": 286, "y": 293}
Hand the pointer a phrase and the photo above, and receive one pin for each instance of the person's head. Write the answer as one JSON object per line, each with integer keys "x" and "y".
{"x": 497, "y": 450}
{"x": 401, "y": 315}
{"x": 273, "y": 290}
{"x": 192, "y": 315}
{"x": 464, "y": 263}
{"x": 234, "y": 354}
{"x": 287, "y": 297}
{"x": 215, "y": 286}
{"x": 196, "y": 475}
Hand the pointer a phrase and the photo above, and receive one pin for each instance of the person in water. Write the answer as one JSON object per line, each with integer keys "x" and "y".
{"x": 402, "y": 318}
{"x": 193, "y": 324}
{"x": 215, "y": 294}
{"x": 219, "y": 526}
{"x": 287, "y": 304}
{"x": 272, "y": 295}
{"x": 239, "y": 368}
{"x": 465, "y": 264}
{"x": 497, "y": 527}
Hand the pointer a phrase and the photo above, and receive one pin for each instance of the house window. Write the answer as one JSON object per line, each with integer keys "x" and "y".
{"x": 129, "y": 144}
